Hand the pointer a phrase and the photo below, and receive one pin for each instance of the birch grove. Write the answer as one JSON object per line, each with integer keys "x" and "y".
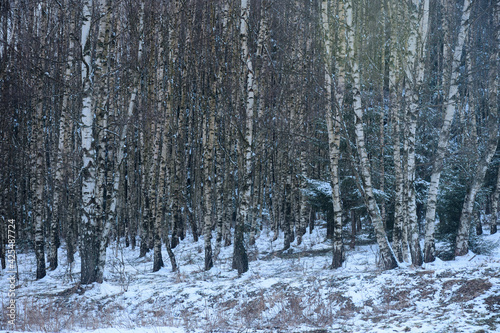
{"x": 149, "y": 124}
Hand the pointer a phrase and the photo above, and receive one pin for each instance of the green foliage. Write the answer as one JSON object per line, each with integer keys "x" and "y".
{"x": 445, "y": 249}
{"x": 449, "y": 208}
{"x": 319, "y": 195}
{"x": 480, "y": 245}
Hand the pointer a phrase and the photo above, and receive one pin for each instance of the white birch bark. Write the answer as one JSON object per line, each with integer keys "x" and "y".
{"x": 100, "y": 104}
{"x": 208, "y": 182}
{"x": 95, "y": 98}
{"x": 333, "y": 122}
{"x": 398, "y": 206}
{"x": 388, "y": 260}
{"x": 178, "y": 192}
{"x": 38, "y": 203}
{"x": 494, "y": 206}
{"x": 462, "y": 240}
{"x": 222, "y": 169}
{"x": 303, "y": 211}
{"x": 119, "y": 154}
{"x": 444, "y": 136}
{"x": 89, "y": 221}
{"x": 395, "y": 74}
{"x": 153, "y": 190}
{"x": 493, "y": 103}
{"x": 261, "y": 40}
{"x": 64, "y": 131}
{"x": 415, "y": 73}
{"x": 157, "y": 170}
{"x": 240, "y": 259}
{"x": 40, "y": 23}
{"x": 165, "y": 182}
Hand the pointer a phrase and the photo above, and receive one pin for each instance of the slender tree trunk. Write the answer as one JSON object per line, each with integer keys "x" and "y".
{"x": 493, "y": 103}
{"x": 333, "y": 122}
{"x": 102, "y": 102}
{"x": 494, "y": 205}
{"x": 38, "y": 190}
{"x": 303, "y": 212}
{"x": 388, "y": 260}
{"x": 155, "y": 187}
{"x": 258, "y": 94}
{"x": 415, "y": 74}
{"x": 64, "y": 131}
{"x": 177, "y": 191}
{"x": 444, "y": 136}
{"x": 462, "y": 241}
{"x": 89, "y": 225}
{"x": 143, "y": 200}
{"x": 153, "y": 190}
{"x": 387, "y": 256}
{"x": 222, "y": 166}
{"x": 398, "y": 184}
{"x": 119, "y": 155}
{"x": 164, "y": 182}
{"x": 287, "y": 200}
{"x": 38, "y": 149}
{"x": 207, "y": 184}
{"x": 394, "y": 93}
{"x": 240, "y": 258}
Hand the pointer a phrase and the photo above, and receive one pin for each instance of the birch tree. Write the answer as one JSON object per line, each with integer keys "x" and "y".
{"x": 94, "y": 93}
{"x": 494, "y": 205}
{"x": 89, "y": 221}
{"x": 333, "y": 114}
{"x": 493, "y": 134}
{"x": 240, "y": 258}
{"x": 62, "y": 145}
{"x": 462, "y": 240}
{"x": 101, "y": 102}
{"x": 415, "y": 72}
{"x": 209, "y": 145}
{"x": 258, "y": 86}
{"x": 388, "y": 260}
{"x": 119, "y": 154}
{"x": 395, "y": 88}
{"x": 444, "y": 135}
{"x": 493, "y": 102}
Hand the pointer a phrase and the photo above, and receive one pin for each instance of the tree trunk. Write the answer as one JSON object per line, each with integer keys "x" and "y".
{"x": 89, "y": 226}
{"x": 388, "y": 260}
{"x": 257, "y": 85}
{"x": 493, "y": 103}
{"x": 62, "y": 147}
{"x": 415, "y": 74}
{"x": 398, "y": 184}
{"x": 240, "y": 258}
{"x": 333, "y": 123}
{"x": 38, "y": 150}
{"x": 101, "y": 101}
{"x": 122, "y": 141}
{"x": 38, "y": 190}
{"x": 462, "y": 241}
{"x": 207, "y": 184}
{"x": 444, "y": 137}
{"x": 494, "y": 205}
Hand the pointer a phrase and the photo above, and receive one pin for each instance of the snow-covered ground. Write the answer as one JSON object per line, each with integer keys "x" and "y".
{"x": 282, "y": 292}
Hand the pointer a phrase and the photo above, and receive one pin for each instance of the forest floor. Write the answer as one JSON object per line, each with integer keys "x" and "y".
{"x": 294, "y": 291}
